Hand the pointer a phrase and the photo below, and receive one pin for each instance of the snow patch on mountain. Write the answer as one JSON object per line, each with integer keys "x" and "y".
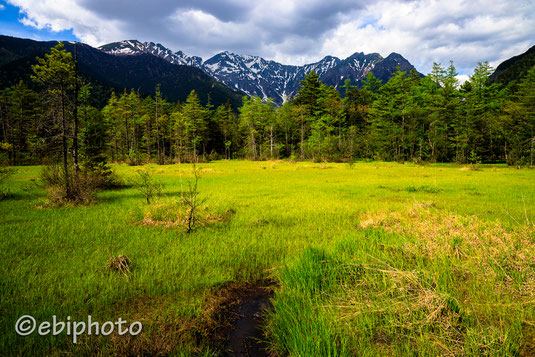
{"x": 254, "y": 75}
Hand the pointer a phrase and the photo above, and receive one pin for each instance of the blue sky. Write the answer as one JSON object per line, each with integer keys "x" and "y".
{"x": 11, "y": 25}
{"x": 291, "y": 31}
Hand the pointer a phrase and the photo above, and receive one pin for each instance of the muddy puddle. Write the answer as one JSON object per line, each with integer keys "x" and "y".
{"x": 246, "y": 337}
{"x": 240, "y": 315}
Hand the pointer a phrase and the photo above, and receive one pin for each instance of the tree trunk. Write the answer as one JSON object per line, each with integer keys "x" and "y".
{"x": 64, "y": 144}
{"x": 253, "y": 144}
{"x": 286, "y": 141}
{"x": 302, "y": 137}
{"x": 531, "y": 154}
{"x": 75, "y": 117}
{"x": 271, "y": 141}
{"x": 158, "y": 133}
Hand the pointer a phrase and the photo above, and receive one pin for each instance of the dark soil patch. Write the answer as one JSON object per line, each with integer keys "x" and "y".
{"x": 246, "y": 337}
{"x": 230, "y": 325}
{"x": 238, "y": 315}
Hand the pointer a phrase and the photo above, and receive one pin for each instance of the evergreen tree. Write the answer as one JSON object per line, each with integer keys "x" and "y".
{"x": 21, "y": 130}
{"x": 309, "y": 93}
{"x": 196, "y": 124}
{"x": 56, "y": 72}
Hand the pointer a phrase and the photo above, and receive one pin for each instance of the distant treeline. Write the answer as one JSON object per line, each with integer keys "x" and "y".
{"x": 409, "y": 118}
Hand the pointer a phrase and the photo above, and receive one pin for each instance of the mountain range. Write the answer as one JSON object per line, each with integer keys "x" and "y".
{"x": 223, "y": 78}
{"x": 108, "y": 72}
{"x": 511, "y": 71}
{"x": 255, "y": 75}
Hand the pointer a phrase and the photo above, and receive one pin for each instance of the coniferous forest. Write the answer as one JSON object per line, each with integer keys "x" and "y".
{"x": 410, "y": 118}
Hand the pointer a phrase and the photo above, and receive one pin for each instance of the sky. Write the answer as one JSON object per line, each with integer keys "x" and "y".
{"x": 291, "y": 31}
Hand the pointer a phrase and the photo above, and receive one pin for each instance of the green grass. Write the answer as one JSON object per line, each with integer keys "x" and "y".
{"x": 296, "y": 223}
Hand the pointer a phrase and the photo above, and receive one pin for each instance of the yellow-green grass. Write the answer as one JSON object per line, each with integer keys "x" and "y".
{"x": 298, "y": 223}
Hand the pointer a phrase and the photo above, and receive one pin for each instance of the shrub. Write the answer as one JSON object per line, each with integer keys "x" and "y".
{"x": 190, "y": 199}
{"x": 475, "y": 161}
{"x": 145, "y": 183}
{"x": 80, "y": 188}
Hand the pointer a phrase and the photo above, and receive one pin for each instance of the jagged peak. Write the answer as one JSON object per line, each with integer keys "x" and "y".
{"x": 131, "y": 42}
{"x": 135, "y": 47}
{"x": 395, "y": 55}
{"x": 329, "y": 57}
{"x": 255, "y": 75}
{"x": 373, "y": 55}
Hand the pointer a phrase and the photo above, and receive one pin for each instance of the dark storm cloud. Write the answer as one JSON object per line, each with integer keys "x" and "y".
{"x": 311, "y": 19}
{"x": 143, "y": 10}
{"x": 255, "y": 25}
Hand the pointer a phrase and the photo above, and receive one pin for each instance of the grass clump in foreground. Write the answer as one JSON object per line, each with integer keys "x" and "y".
{"x": 419, "y": 280}
{"x": 358, "y": 269}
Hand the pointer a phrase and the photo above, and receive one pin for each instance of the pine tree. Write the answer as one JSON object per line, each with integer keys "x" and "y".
{"x": 196, "y": 123}
{"x": 309, "y": 93}
{"x": 56, "y": 71}
{"x": 21, "y": 130}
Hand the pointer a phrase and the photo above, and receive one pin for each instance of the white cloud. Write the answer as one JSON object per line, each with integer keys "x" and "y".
{"x": 297, "y": 32}
{"x": 428, "y": 31}
{"x": 60, "y": 15}
{"x": 2, "y": 7}
{"x": 461, "y": 78}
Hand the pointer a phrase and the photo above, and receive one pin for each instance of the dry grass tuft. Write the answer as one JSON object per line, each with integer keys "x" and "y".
{"x": 120, "y": 263}
{"x": 469, "y": 237}
{"x": 486, "y": 264}
{"x": 410, "y": 302}
{"x": 175, "y": 215}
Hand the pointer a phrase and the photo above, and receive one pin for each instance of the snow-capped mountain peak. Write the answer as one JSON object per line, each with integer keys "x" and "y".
{"x": 254, "y": 75}
{"x": 133, "y": 47}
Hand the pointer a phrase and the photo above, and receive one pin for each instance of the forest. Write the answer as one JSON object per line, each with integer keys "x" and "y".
{"x": 409, "y": 118}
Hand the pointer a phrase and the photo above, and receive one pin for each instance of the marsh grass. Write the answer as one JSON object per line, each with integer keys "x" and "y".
{"x": 421, "y": 280}
{"x": 5, "y": 173}
{"x": 426, "y": 189}
{"x": 449, "y": 275}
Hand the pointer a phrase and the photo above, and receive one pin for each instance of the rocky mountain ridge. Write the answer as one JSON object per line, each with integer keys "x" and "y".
{"x": 255, "y": 75}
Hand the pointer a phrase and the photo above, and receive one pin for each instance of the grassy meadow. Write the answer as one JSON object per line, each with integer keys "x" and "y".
{"x": 374, "y": 259}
